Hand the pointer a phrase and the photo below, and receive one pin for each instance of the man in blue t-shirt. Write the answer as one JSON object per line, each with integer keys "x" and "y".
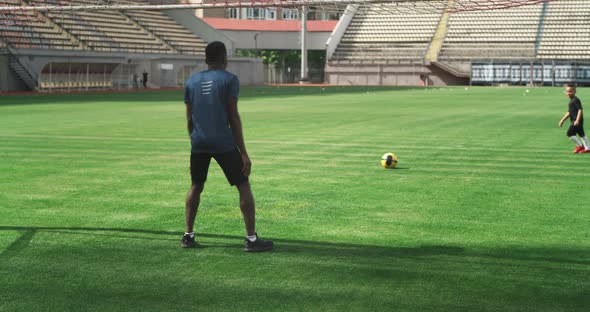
{"x": 215, "y": 129}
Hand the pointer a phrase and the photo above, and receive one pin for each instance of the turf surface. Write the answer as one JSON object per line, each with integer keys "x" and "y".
{"x": 488, "y": 210}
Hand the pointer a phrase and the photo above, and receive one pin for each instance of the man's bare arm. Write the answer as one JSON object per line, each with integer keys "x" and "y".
{"x": 236, "y": 126}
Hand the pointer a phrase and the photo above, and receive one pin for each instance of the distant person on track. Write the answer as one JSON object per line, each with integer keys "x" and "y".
{"x": 144, "y": 80}
{"x": 215, "y": 129}
{"x": 135, "y": 82}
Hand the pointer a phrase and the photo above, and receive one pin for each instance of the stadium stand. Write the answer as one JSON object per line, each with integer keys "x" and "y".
{"x": 565, "y": 33}
{"x": 129, "y": 31}
{"x": 402, "y": 43}
{"x": 374, "y": 36}
{"x": 84, "y": 50}
{"x": 543, "y": 39}
{"x": 24, "y": 29}
{"x": 77, "y": 76}
{"x": 495, "y": 34}
{"x": 107, "y": 30}
{"x": 397, "y": 35}
{"x": 167, "y": 29}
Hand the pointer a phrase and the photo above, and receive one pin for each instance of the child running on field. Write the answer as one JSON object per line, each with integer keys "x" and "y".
{"x": 577, "y": 121}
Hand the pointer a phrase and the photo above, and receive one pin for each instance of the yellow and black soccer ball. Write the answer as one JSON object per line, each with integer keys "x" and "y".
{"x": 389, "y": 161}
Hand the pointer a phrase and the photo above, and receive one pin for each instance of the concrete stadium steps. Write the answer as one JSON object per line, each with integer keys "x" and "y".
{"x": 379, "y": 50}
{"x": 115, "y": 31}
{"x": 107, "y": 30}
{"x": 388, "y": 32}
{"x": 497, "y": 34}
{"x": 22, "y": 29}
{"x": 167, "y": 29}
{"x": 491, "y": 51}
{"x": 18, "y": 68}
{"x": 566, "y": 32}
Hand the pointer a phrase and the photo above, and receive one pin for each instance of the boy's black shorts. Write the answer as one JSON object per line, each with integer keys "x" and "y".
{"x": 573, "y": 130}
{"x": 230, "y": 162}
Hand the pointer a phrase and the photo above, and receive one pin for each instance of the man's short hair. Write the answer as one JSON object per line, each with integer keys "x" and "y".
{"x": 215, "y": 52}
{"x": 571, "y": 85}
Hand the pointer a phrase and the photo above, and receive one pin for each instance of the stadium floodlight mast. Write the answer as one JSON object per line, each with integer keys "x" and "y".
{"x": 304, "y": 69}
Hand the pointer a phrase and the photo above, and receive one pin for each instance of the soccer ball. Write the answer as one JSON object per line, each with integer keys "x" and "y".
{"x": 389, "y": 161}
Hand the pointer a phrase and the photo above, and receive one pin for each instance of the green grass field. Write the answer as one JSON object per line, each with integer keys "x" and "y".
{"x": 488, "y": 210}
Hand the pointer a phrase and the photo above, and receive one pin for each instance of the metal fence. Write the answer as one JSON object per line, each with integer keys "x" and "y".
{"x": 285, "y": 74}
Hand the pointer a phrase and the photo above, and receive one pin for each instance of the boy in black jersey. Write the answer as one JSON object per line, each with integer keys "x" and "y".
{"x": 577, "y": 119}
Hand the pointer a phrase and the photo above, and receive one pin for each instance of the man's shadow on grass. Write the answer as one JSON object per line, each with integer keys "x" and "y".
{"x": 315, "y": 248}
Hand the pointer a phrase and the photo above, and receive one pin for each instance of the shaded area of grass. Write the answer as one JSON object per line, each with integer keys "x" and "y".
{"x": 100, "y": 269}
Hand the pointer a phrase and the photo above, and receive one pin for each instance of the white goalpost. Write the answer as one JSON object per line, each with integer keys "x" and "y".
{"x": 387, "y": 5}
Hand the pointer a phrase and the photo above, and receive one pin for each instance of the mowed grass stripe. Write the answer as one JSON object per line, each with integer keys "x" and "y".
{"x": 483, "y": 214}
{"x": 466, "y": 156}
{"x": 287, "y": 142}
{"x": 492, "y": 166}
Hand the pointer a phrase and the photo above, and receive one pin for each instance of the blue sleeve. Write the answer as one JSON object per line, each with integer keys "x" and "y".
{"x": 234, "y": 87}
{"x": 187, "y": 95}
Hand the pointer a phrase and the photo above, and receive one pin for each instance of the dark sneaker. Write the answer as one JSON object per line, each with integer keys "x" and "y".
{"x": 257, "y": 245}
{"x": 188, "y": 242}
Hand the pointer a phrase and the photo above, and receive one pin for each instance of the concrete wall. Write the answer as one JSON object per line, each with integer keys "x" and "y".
{"x": 440, "y": 77}
{"x": 249, "y": 70}
{"x": 390, "y": 74}
{"x": 162, "y": 70}
{"x": 336, "y": 35}
{"x": 9, "y": 81}
{"x": 187, "y": 19}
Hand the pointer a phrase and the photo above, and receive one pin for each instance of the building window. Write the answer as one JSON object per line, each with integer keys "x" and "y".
{"x": 271, "y": 13}
{"x": 290, "y": 14}
{"x": 329, "y": 16}
{"x": 255, "y": 13}
{"x": 232, "y": 13}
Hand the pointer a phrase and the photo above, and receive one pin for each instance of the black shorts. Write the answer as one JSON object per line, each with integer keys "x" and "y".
{"x": 573, "y": 130}
{"x": 230, "y": 162}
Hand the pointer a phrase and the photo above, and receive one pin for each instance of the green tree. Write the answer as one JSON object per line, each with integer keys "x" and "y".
{"x": 315, "y": 58}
